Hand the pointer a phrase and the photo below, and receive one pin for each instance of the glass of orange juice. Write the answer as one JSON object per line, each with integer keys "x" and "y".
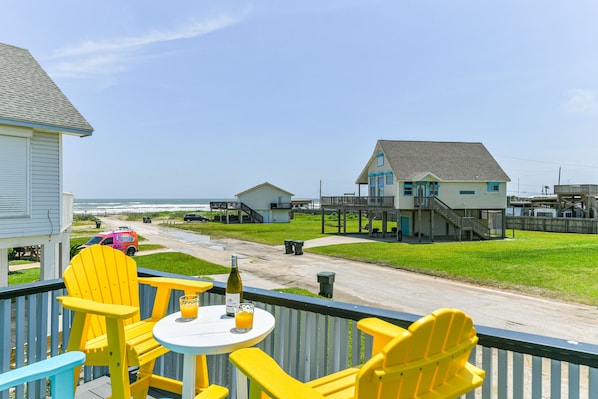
{"x": 244, "y": 317}
{"x": 189, "y": 305}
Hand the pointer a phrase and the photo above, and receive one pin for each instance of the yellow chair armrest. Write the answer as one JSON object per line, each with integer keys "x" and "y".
{"x": 98, "y": 308}
{"x": 267, "y": 376}
{"x": 381, "y": 330}
{"x": 177, "y": 283}
{"x": 213, "y": 392}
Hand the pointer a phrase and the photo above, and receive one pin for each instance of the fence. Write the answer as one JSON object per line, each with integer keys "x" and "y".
{"x": 556, "y": 225}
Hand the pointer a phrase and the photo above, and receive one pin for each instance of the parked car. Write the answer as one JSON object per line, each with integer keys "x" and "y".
{"x": 125, "y": 240}
{"x": 194, "y": 216}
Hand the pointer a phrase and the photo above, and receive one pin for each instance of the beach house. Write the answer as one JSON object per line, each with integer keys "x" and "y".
{"x": 428, "y": 189}
{"x": 264, "y": 203}
{"x": 34, "y": 116}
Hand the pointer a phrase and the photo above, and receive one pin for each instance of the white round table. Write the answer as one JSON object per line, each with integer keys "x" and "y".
{"x": 209, "y": 334}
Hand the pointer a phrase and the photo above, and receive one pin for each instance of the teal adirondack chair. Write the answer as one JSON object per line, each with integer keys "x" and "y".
{"x": 59, "y": 369}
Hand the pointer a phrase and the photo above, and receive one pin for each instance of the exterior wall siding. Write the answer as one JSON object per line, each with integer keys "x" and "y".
{"x": 260, "y": 200}
{"x": 44, "y": 218}
{"x": 449, "y": 193}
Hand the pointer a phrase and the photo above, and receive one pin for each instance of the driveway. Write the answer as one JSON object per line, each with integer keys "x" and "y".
{"x": 264, "y": 266}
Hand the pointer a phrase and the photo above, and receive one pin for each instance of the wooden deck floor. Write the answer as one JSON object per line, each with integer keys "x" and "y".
{"x": 100, "y": 388}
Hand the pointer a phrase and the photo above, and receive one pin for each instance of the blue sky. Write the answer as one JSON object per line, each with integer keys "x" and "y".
{"x": 204, "y": 99}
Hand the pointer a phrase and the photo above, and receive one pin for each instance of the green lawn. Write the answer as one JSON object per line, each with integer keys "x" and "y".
{"x": 303, "y": 227}
{"x": 561, "y": 266}
{"x": 179, "y": 263}
{"x": 24, "y": 276}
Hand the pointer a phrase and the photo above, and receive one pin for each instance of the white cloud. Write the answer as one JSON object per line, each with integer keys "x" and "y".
{"x": 112, "y": 56}
{"x": 582, "y": 102}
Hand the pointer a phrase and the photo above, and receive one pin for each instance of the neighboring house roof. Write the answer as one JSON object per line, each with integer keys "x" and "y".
{"x": 261, "y": 186}
{"x": 448, "y": 161}
{"x": 30, "y": 98}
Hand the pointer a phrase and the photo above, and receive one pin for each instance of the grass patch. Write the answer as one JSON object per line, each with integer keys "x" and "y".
{"x": 561, "y": 266}
{"x": 150, "y": 247}
{"x": 303, "y": 227}
{"x": 179, "y": 263}
{"x": 23, "y": 276}
{"x": 298, "y": 291}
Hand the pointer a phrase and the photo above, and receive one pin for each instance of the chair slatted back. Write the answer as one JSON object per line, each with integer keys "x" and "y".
{"x": 103, "y": 274}
{"x": 426, "y": 361}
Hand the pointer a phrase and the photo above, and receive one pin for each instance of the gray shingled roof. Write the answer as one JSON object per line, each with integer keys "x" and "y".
{"x": 28, "y": 96}
{"x": 449, "y": 161}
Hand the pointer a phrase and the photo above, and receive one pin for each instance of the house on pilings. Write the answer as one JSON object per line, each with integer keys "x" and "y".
{"x": 425, "y": 189}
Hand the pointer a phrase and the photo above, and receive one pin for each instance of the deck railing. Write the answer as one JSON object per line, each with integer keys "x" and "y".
{"x": 313, "y": 337}
{"x": 353, "y": 201}
{"x": 66, "y": 219}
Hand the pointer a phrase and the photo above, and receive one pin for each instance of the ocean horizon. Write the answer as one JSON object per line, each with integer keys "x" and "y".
{"x": 112, "y": 206}
{"x": 115, "y": 206}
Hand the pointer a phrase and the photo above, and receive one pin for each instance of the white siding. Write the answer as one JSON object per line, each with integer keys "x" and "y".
{"x": 450, "y": 194}
{"x": 482, "y": 199}
{"x": 260, "y": 199}
{"x": 45, "y": 191}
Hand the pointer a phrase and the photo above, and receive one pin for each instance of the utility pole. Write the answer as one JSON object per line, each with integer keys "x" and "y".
{"x": 559, "y": 175}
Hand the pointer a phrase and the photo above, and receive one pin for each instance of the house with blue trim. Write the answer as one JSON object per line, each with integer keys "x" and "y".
{"x": 34, "y": 116}
{"x": 428, "y": 188}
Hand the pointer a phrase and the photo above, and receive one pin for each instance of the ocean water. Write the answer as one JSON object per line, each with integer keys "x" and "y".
{"x": 114, "y": 206}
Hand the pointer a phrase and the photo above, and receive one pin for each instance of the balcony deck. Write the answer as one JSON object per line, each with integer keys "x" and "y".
{"x": 313, "y": 337}
{"x": 100, "y": 388}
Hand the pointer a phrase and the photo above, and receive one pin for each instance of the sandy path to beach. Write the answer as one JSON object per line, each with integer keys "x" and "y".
{"x": 268, "y": 267}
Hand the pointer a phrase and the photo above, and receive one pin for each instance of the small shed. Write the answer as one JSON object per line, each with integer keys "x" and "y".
{"x": 271, "y": 202}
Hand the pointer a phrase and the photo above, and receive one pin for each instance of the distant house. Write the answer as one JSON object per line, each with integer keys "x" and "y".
{"x": 264, "y": 203}
{"x": 34, "y": 115}
{"x": 425, "y": 188}
{"x": 302, "y": 203}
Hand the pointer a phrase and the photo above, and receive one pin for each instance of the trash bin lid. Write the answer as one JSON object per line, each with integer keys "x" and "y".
{"x": 327, "y": 277}
{"x": 326, "y": 273}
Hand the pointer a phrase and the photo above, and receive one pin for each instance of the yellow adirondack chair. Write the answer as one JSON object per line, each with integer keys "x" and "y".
{"x": 103, "y": 292}
{"x": 428, "y": 361}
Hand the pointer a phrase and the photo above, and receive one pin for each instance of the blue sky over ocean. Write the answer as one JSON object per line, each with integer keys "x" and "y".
{"x": 204, "y": 99}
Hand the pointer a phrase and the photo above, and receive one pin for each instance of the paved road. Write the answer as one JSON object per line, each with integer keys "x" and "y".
{"x": 268, "y": 267}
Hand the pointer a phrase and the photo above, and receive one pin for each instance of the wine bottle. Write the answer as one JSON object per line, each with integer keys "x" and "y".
{"x": 234, "y": 288}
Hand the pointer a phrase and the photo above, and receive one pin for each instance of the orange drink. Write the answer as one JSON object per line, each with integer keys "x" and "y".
{"x": 244, "y": 320}
{"x": 188, "y": 305}
{"x": 188, "y": 311}
{"x": 244, "y": 317}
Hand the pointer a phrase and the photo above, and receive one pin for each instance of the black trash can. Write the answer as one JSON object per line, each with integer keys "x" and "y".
{"x": 326, "y": 280}
{"x": 288, "y": 246}
{"x": 98, "y": 224}
{"x": 298, "y": 247}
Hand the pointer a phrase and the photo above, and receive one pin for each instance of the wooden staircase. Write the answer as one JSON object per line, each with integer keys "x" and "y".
{"x": 253, "y": 215}
{"x": 462, "y": 223}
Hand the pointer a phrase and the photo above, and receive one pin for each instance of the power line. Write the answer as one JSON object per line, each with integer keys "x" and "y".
{"x": 551, "y": 162}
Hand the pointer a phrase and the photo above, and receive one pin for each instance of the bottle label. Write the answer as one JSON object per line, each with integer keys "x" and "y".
{"x": 232, "y": 301}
